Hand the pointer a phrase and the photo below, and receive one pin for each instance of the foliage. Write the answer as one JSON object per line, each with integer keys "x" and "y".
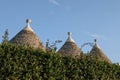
{"x": 52, "y": 47}
{"x": 5, "y": 37}
{"x": 17, "y": 62}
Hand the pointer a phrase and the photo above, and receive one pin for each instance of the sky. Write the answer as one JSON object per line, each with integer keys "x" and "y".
{"x": 52, "y": 19}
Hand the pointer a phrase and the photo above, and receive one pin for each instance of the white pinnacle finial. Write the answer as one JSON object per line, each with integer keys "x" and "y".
{"x": 96, "y": 42}
{"x": 28, "y": 21}
{"x": 70, "y": 37}
{"x": 69, "y": 34}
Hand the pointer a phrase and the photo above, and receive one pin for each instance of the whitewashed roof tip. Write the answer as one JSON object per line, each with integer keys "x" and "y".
{"x": 96, "y": 43}
{"x": 28, "y": 21}
{"x": 70, "y": 39}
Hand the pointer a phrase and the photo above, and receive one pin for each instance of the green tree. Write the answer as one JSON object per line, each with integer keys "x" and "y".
{"x": 5, "y": 37}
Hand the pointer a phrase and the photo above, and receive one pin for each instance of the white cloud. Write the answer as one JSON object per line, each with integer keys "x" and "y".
{"x": 96, "y": 36}
{"x": 54, "y": 2}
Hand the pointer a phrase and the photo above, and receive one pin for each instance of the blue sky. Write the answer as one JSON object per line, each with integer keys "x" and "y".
{"x": 52, "y": 19}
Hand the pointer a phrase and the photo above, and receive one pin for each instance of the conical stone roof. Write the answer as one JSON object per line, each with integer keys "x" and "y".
{"x": 70, "y": 48}
{"x": 27, "y": 37}
{"x": 98, "y": 53}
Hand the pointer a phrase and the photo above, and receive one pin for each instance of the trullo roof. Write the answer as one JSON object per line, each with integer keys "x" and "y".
{"x": 70, "y": 48}
{"x": 27, "y": 37}
{"x": 97, "y": 52}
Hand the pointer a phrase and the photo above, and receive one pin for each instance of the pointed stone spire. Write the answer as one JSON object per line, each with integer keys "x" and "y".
{"x": 70, "y": 48}
{"x": 27, "y": 37}
{"x": 98, "y": 53}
